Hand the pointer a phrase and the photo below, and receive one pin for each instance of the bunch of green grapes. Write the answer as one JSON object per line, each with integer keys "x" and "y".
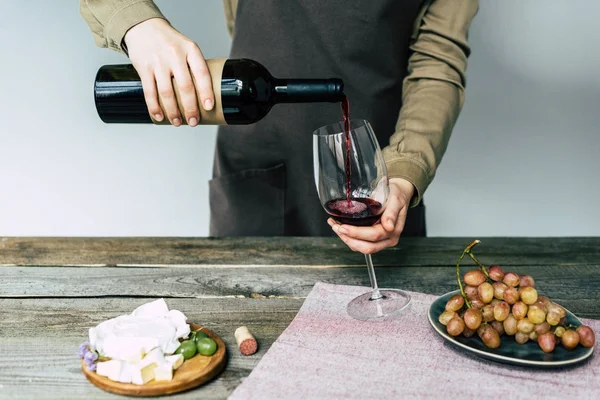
{"x": 493, "y": 303}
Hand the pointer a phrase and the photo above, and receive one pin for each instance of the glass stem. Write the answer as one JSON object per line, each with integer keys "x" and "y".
{"x": 375, "y": 294}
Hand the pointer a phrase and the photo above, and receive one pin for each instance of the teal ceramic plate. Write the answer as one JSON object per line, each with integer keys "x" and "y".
{"x": 510, "y": 352}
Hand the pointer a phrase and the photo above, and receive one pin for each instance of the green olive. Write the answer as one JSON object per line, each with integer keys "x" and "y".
{"x": 187, "y": 348}
{"x": 206, "y": 346}
{"x": 198, "y": 335}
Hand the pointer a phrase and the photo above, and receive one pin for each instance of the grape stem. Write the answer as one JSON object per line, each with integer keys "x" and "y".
{"x": 466, "y": 251}
{"x": 483, "y": 269}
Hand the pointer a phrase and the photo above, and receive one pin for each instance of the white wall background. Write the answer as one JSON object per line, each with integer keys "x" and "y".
{"x": 523, "y": 161}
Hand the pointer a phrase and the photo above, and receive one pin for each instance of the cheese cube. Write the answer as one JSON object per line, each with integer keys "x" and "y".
{"x": 126, "y": 372}
{"x": 163, "y": 373}
{"x": 175, "y": 361}
{"x": 110, "y": 369}
{"x": 155, "y": 355}
{"x": 142, "y": 375}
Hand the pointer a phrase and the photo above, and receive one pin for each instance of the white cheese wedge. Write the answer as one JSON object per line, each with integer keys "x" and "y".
{"x": 153, "y": 309}
{"x": 163, "y": 373}
{"x": 155, "y": 355}
{"x": 143, "y": 374}
{"x": 175, "y": 361}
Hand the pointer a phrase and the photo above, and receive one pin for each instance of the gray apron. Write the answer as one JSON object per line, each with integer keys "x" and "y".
{"x": 263, "y": 183}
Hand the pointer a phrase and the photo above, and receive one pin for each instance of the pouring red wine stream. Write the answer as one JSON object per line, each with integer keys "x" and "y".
{"x": 353, "y": 211}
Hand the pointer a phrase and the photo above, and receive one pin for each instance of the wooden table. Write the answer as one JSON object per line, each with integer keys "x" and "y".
{"x": 52, "y": 290}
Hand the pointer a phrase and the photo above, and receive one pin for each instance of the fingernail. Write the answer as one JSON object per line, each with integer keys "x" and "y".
{"x": 193, "y": 121}
{"x": 158, "y": 117}
{"x": 208, "y": 104}
{"x": 176, "y": 121}
{"x": 342, "y": 230}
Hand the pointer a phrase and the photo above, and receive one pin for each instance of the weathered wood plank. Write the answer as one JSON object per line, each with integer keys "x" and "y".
{"x": 39, "y": 341}
{"x": 569, "y": 284}
{"x": 288, "y": 251}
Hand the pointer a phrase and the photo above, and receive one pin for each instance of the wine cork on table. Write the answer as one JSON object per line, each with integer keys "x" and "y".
{"x": 245, "y": 341}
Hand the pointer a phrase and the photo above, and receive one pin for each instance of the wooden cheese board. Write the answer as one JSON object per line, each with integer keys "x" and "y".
{"x": 192, "y": 373}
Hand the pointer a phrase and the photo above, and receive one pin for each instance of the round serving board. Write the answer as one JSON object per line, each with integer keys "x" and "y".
{"x": 193, "y": 372}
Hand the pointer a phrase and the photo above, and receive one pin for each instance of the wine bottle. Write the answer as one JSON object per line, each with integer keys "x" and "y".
{"x": 244, "y": 91}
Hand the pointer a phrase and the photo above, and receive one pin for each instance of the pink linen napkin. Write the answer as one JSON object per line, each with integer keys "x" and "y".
{"x": 325, "y": 354}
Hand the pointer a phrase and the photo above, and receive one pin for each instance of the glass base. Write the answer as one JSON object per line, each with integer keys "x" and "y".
{"x": 391, "y": 302}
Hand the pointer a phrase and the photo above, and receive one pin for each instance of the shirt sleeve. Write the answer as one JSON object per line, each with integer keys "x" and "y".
{"x": 109, "y": 20}
{"x": 432, "y": 93}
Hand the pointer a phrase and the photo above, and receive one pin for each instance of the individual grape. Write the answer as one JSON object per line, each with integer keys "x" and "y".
{"x": 471, "y": 292}
{"x": 552, "y": 318}
{"x": 558, "y": 309}
{"x": 206, "y": 346}
{"x": 535, "y": 314}
{"x": 488, "y": 313}
{"x": 526, "y": 281}
{"x": 547, "y": 342}
{"x": 533, "y": 335}
{"x": 511, "y": 279}
{"x": 547, "y": 302}
{"x": 468, "y": 332}
{"x": 447, "y": 316}
{"x": 197, "y": 335}
{"x": 489, "y": 336}
{"x": 455, "y": 326}
{"x": 511, "y": 295}
{"x": 495, "y": 273}
{"x": 519, "y": 310}
{"x": 587, "y": 338}
{"x": 529, "y": 295}
{"x": 525, "y": 326}
{"x": 474, "y": 277}
{"x": 521, "y": 337}
{"x": 187, "y": 348}
{"x": 83, "y": 348}
{"x": 570, "y": 339}
{"x": 542, "y": 328}
{"x": 501, "y": 311}
{"x": 510, "y": 325}
{"x": 559, "y": 331}
{"x": 486, "y": 292}
{"x": 473, "y": 318}
{"x": 498, "y": 326}
{"x": 477, "y": 303}
{"x": 455, "y": 303}
{"x": 499, "y": 289}
{"x": 541, "y": 306}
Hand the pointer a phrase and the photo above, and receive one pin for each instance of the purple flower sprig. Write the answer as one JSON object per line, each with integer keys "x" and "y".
{"x": 89, "y": 356}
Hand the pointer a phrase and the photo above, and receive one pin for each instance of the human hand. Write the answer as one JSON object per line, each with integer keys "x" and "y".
{"x": 385, "y": 233}
{"x": 159, "y": 52}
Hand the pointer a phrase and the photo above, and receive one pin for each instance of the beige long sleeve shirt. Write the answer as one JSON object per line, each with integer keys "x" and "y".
{"x": 432, "y": 93}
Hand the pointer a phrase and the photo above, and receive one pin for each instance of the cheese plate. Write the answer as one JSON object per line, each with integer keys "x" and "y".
{"x": 192, "y": 373}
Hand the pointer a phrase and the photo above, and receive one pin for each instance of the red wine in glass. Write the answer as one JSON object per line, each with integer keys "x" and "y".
{"x": 354, "y": 211}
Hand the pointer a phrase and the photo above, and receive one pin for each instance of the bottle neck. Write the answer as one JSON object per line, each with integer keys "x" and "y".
{"x": 308, "y": 90}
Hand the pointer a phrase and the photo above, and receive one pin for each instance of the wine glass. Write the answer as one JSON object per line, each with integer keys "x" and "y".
{"x": 352, "y": 183}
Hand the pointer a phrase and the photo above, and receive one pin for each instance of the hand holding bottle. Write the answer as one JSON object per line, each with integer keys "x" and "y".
{"x": 161, "y": 54}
